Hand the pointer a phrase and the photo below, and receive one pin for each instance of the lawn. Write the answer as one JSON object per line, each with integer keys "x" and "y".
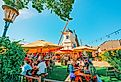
{"x": 102, "y": 74}
{"x": 58, "y": 73}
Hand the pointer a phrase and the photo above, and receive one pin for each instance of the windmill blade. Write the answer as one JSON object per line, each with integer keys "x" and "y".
{"x": 63, "y": 31}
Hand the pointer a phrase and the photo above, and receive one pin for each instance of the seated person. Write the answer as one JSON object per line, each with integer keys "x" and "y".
{"x": 42, "y": 68}
{"x": 87, "y": 71}
{"x": 78, "y": 76}
{"x": 26, "y": 68}
{"x": 70, "y": 68}
{"x": 72, "y": 76}
{"x": 86, "y": 63}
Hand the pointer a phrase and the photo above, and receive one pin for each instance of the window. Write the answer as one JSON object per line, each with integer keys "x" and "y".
{"x": 67, "y": 37}
{"x": 67, "y": 47}
{"x": 74, "y": 45}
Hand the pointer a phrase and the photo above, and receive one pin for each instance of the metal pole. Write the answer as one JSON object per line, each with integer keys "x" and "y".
{"x": 5, "y": 28}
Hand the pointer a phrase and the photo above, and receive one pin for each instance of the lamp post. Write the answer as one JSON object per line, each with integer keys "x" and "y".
{"x": 10, "y": 15}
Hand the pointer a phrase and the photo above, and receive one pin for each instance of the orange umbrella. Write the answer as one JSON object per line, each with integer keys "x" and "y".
{"x": 63, "y": 52}
{"x": 41, "y": 46}
{"x": 84, "y": 48}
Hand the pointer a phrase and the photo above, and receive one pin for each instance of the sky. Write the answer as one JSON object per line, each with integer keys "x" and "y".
{"x": 92, "y": 20}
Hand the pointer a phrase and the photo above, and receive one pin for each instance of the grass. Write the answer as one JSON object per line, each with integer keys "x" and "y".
{"x": 101, "y": 71}
{"x": 102, "y": 74}
{"x": 58, "y": 73}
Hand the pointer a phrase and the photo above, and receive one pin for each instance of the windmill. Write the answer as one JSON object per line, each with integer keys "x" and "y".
{"x": 76, "y": 38}
{"x": 63, "y": 31}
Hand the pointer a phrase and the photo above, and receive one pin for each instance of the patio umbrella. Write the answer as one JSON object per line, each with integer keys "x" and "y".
{"x": 63, "y": 52}
{"x": 84, "y": 48}
{"x": 41, "y": 46}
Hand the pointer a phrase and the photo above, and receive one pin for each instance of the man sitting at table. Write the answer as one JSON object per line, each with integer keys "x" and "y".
{"x": 87, "y": 71}
{"x": 42, "y": 68}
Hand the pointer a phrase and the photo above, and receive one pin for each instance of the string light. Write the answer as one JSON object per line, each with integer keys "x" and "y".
{"x": 107, "y": 36}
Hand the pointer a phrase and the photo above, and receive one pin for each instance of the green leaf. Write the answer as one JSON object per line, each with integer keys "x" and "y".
{"x": 12, "y": 59}
{"x": 62, "y": 8}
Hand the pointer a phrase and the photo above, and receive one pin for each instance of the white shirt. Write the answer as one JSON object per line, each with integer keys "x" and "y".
{"x": 42, "y": 66}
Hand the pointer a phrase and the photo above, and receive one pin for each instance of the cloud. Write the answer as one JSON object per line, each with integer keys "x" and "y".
{"x": 26, "y": 14}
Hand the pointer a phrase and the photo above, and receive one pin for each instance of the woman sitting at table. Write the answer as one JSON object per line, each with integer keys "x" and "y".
{"x": 87, "y": 71}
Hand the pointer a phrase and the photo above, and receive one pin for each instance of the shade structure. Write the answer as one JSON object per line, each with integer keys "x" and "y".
{"x": 41, "y": 46}
{"x": 84, "y": 48}
{"x": 63, "y": 52}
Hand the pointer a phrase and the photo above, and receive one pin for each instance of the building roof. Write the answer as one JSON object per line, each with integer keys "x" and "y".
{"x": 68, "y": 30}
{"x": 110, "y": 45}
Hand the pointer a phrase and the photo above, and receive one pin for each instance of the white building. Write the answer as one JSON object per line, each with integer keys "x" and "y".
{"x": 69, "y": 40}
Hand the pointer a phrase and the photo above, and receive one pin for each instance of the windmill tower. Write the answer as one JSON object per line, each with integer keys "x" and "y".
{"x": 69, "y": 40}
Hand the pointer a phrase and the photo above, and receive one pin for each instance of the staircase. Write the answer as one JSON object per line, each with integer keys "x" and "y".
{"x": 118, "y": 74}
{"x": 112, "y": 74}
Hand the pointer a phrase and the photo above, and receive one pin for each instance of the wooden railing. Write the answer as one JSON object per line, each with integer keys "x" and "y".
{"x": 19, "y": 78}
{"x": 50, "y": 80}
{"x": 33, "y": 78}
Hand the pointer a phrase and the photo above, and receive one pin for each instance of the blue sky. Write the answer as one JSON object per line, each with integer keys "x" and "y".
{"x": 92, "y": 19}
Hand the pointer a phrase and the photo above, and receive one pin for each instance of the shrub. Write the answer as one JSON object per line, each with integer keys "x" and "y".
{"x": 11, "y": 58}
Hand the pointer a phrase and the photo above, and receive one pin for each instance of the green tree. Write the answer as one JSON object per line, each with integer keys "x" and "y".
{"x": 11, "y": 58}
{"x": 62, "y": 8}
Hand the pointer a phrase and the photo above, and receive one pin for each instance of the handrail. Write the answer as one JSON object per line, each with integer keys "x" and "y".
{"x": 117, "y": 70}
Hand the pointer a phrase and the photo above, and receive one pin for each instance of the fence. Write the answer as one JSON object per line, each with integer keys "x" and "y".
{"x": 19, "y": 78}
